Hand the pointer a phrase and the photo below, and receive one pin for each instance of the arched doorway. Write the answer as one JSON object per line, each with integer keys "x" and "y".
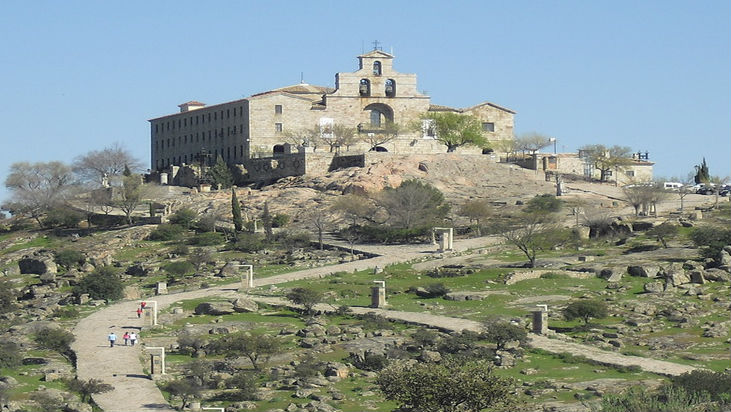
{"x": 379, "y": 114}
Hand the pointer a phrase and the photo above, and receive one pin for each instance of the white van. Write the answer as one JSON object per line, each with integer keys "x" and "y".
{"x": 672, "y": 186}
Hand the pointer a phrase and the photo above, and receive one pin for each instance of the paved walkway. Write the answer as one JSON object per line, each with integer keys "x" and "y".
{"x": 134, "y": 391}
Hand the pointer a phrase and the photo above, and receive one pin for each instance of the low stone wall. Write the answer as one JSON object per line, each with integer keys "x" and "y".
{"x": 271, "y": 168}
{"x": 515, "y": 277}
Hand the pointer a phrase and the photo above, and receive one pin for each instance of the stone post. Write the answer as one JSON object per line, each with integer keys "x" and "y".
{"x": 162, "y": 288}
{"x": 445, "y": 238}
{"x": 378, "y": 294}
{"x": 540, "y": 320}
{"x": 247, "y": 279}
{"x": 149, "y": 313}
{"x": 157, "y": 360}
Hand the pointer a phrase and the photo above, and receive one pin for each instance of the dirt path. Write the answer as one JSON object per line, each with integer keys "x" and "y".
{"x": 121, "y": 367}
{"x": 133, "y": 391}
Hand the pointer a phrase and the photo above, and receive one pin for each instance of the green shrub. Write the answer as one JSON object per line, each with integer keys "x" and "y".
{"x": 250, "y": 242}
{"x": 58, "y": 340}
{"x": 711, "y": 239}
{"x": 207, "y": 239}
{"x": 181, "y": 250}
{"x": 501, "y": 332}
{"x": 667, "y": 399}
{"x": 425, "y": 337}
{"x": 179, "y": 269}
{"x": 245, "y": 385}
{"x": 184, "y": 217}
{"x": 66, "y": 312}
{"x": 10, "y": 355}
{"x": 369, "y": 361}
{"x": 280, "y": 220}
{"x": 69, "y": 258}
{"x": 585, "y": 310}
{"x": 8, "y": 297}
{"x": 62, "y": 217}
{"x": 551, "y": 275}
{"x": 166, "y": 231}
{"x": 544, "y": 203}
{"x": 386, "y": 234}
{"x": 308, "y": 367}
{"x": 103, "y": 283}
{"x": 716, "y": 384}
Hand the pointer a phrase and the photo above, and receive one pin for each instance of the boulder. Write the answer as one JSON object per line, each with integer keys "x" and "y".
{"x": 37, "y": 265}
{"x": 245, "y": 305}
{"x": 333, "y": 331}
{"x": 138, "y": 269}
{"x": 717, "y": 275}
{"x": 642, "y": 226}
{"x": 645, "y": 271}
{"x": 654, "y": 287}
{"x": 430, "y": 356}
{"x": 47, "y": 278}
{"x": 462, "y": 296}
{"x": 610, "y": 275}
{"x": 229, "y": 269}
{"x": 724, "y": 258}
{"x": 696, "y": 276}
{"x": 214, "y": 308}
{"x": 87, "y": 267}
{"x": 677, "y": 277}
{"x": 422, "y": 293}
{"x": 337, "y": 369}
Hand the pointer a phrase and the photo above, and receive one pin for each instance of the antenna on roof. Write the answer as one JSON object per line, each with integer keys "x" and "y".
{"x": 302, "y": 77}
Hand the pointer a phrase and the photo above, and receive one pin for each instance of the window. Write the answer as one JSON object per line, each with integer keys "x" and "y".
{"x": 185, "y": 122}
{"x": 428, "y": 129}
{"x": 156, "y": 128}
{"x": 278, "y": 109}
{"x": 278, "y": 127}
{"x": 365, "y": 88}
{"x": 215, "y": 115}
{"x": 630, "y": 173}
{"x": 377, "y": 68}
{"x": 488, "y": 126}
{"x": 228, "y": 113}
{"x": 178, "y": 123}
{"x": 390, "y": 88}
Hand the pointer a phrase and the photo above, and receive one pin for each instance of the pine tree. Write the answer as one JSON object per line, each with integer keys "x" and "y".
{"x": 220, "y": 174}
{"x": 702, "y": 175}
{"x": 236, "y": 211}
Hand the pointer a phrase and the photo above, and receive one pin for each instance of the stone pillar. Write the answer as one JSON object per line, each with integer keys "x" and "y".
{"x": 157, "y": 360}
{"x": 378, "y": 294}
{"x": 162, "y": 288}
{"x": 163, "y": 178}
{"x": 446, "y": 238}
{"x": 540, "y": 322}
{"x": 247, "y": 278}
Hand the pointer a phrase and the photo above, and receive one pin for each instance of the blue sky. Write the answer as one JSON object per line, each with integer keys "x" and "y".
{"x": 652, "y": 75}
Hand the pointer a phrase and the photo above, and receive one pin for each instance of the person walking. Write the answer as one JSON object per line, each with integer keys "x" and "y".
{"x": 139, "y": 313}
{"x": 112, "y": 338}
{"x": 133, "y": 338}
{"x": 125, "y": 337}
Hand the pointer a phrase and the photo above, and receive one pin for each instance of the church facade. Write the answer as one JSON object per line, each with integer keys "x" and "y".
{"x": 367, "y": 100}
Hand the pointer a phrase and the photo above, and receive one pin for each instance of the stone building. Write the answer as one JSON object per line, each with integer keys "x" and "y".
{"x": 638, "y": 170}
{"x": 258, "y": 126}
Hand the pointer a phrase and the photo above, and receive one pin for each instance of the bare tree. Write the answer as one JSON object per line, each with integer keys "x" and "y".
{"x": 132, "y": 193}
{"x": 37, "y": 187}
{"x": 531, "y": 233}
{"x": 307, "y": 137}
{"x": 476, "y": 210}
{"x": 531, "y": 142}
{"x": 413, "y": 204}
{"x": 605, "y": 159}
{"x": 319, "y": 219}
{"x": 109, "y": 162}
{"x": 381, "y": 136}
{"x": 339, "y": 136}
{"x": 353, "y": 208}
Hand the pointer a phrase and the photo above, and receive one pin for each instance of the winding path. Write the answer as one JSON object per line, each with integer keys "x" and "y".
{"x": 121, "y": 366}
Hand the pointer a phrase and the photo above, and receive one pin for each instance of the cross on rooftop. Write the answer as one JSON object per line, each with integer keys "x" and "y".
{"x": 375, "y": 45}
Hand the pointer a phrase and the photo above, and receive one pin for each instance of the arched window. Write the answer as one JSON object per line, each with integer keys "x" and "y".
{"x": 365, "y": 88}
{"x": 278, "y": 148}
{"x": 390, "y": 88}
{"x": 377, "y": 68}
{"x": 376, "y": 116}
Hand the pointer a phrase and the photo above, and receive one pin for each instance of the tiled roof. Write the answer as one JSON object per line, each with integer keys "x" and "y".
{"x": 192, "y": 103}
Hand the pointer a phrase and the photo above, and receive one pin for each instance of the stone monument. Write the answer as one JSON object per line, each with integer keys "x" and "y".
{"x": 540, "y": 320}
{"x": 378, "y": 294}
